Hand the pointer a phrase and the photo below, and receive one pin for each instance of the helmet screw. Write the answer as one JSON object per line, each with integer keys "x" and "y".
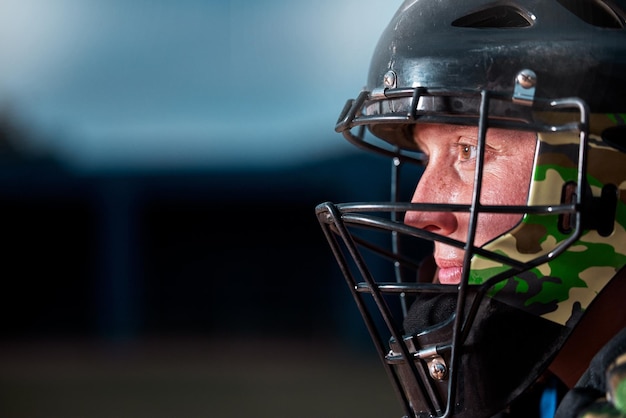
{"x": 437, "y": 368}
{"x": 527, "y": 79}
{"x": 390, "y": 79}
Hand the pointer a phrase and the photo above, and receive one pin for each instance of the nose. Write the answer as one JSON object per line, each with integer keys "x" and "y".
{"x": 433, "y": 187}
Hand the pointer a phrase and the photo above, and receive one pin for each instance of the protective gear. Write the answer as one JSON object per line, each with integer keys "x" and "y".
{"x": 557, "y": 68}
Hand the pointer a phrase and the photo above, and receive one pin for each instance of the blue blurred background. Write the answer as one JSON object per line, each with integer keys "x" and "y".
{"x": 155, "y": 84}
{"x": 160, "y": 163}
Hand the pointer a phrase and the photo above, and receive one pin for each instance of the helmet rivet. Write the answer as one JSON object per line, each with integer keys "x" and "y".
{"x": 390, "y": 79}
{"x": 527, "y": 79}
{"x": 437, "y": 368}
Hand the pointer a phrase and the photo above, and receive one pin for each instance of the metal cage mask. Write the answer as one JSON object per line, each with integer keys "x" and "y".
{"x": 554, "y": 67}
{"x": 430, "y": 366}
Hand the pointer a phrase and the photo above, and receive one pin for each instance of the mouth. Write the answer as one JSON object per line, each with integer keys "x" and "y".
{"x": 449, "y": 274}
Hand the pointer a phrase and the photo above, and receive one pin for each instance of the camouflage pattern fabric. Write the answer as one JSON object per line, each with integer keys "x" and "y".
{"x": 561, "y": 289}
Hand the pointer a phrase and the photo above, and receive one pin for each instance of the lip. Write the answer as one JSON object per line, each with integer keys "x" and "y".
{"x": 449, "y": 272}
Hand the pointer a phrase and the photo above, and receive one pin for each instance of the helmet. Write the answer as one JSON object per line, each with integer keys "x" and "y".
{"x": 554, "y": 68}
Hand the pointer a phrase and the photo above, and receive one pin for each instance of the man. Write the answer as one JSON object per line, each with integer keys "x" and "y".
{"x": 515, "y": 110}
{"x": 449, "y": 178}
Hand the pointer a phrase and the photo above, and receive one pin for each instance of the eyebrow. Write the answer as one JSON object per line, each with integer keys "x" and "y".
{"x": 459, "y": 129}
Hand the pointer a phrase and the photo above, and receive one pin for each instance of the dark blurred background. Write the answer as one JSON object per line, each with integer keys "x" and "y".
{"x": 160, "y": 163}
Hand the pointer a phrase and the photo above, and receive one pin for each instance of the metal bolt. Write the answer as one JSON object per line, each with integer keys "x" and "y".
{"x": 527, "y": 79}
{"x": 390, "y": 79}
{"x": 437, "y": 368}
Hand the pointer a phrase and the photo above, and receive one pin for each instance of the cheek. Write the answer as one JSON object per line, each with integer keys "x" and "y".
{"x": 507, "y": 180}
{"x": 492, "y": 225}
{"x": 508, "y": 189}
{"x": 511, "y": 189}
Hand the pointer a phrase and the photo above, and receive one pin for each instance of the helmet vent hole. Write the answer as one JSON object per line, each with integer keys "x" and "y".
{"x": 495, "y": 17}
{"x": 595, "y": 12}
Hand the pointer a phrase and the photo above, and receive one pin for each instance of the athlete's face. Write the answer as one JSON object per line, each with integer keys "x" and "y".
{"x": 449, "y": 178}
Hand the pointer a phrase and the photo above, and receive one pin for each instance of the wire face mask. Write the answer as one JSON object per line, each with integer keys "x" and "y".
{"x": 470, "y": 349}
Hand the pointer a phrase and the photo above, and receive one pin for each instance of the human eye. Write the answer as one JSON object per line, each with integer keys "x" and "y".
{"x": 466, "y": 152}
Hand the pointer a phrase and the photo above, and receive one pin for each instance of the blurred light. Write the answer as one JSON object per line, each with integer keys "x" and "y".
{"x": 153, "y": 83}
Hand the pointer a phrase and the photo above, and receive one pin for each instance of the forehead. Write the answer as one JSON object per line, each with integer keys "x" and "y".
{"x": 427, "y": 132}
{"x": 423, "y": 132}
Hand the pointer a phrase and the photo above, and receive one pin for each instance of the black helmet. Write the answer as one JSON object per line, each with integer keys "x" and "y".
{"x": 554, "y": 67}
